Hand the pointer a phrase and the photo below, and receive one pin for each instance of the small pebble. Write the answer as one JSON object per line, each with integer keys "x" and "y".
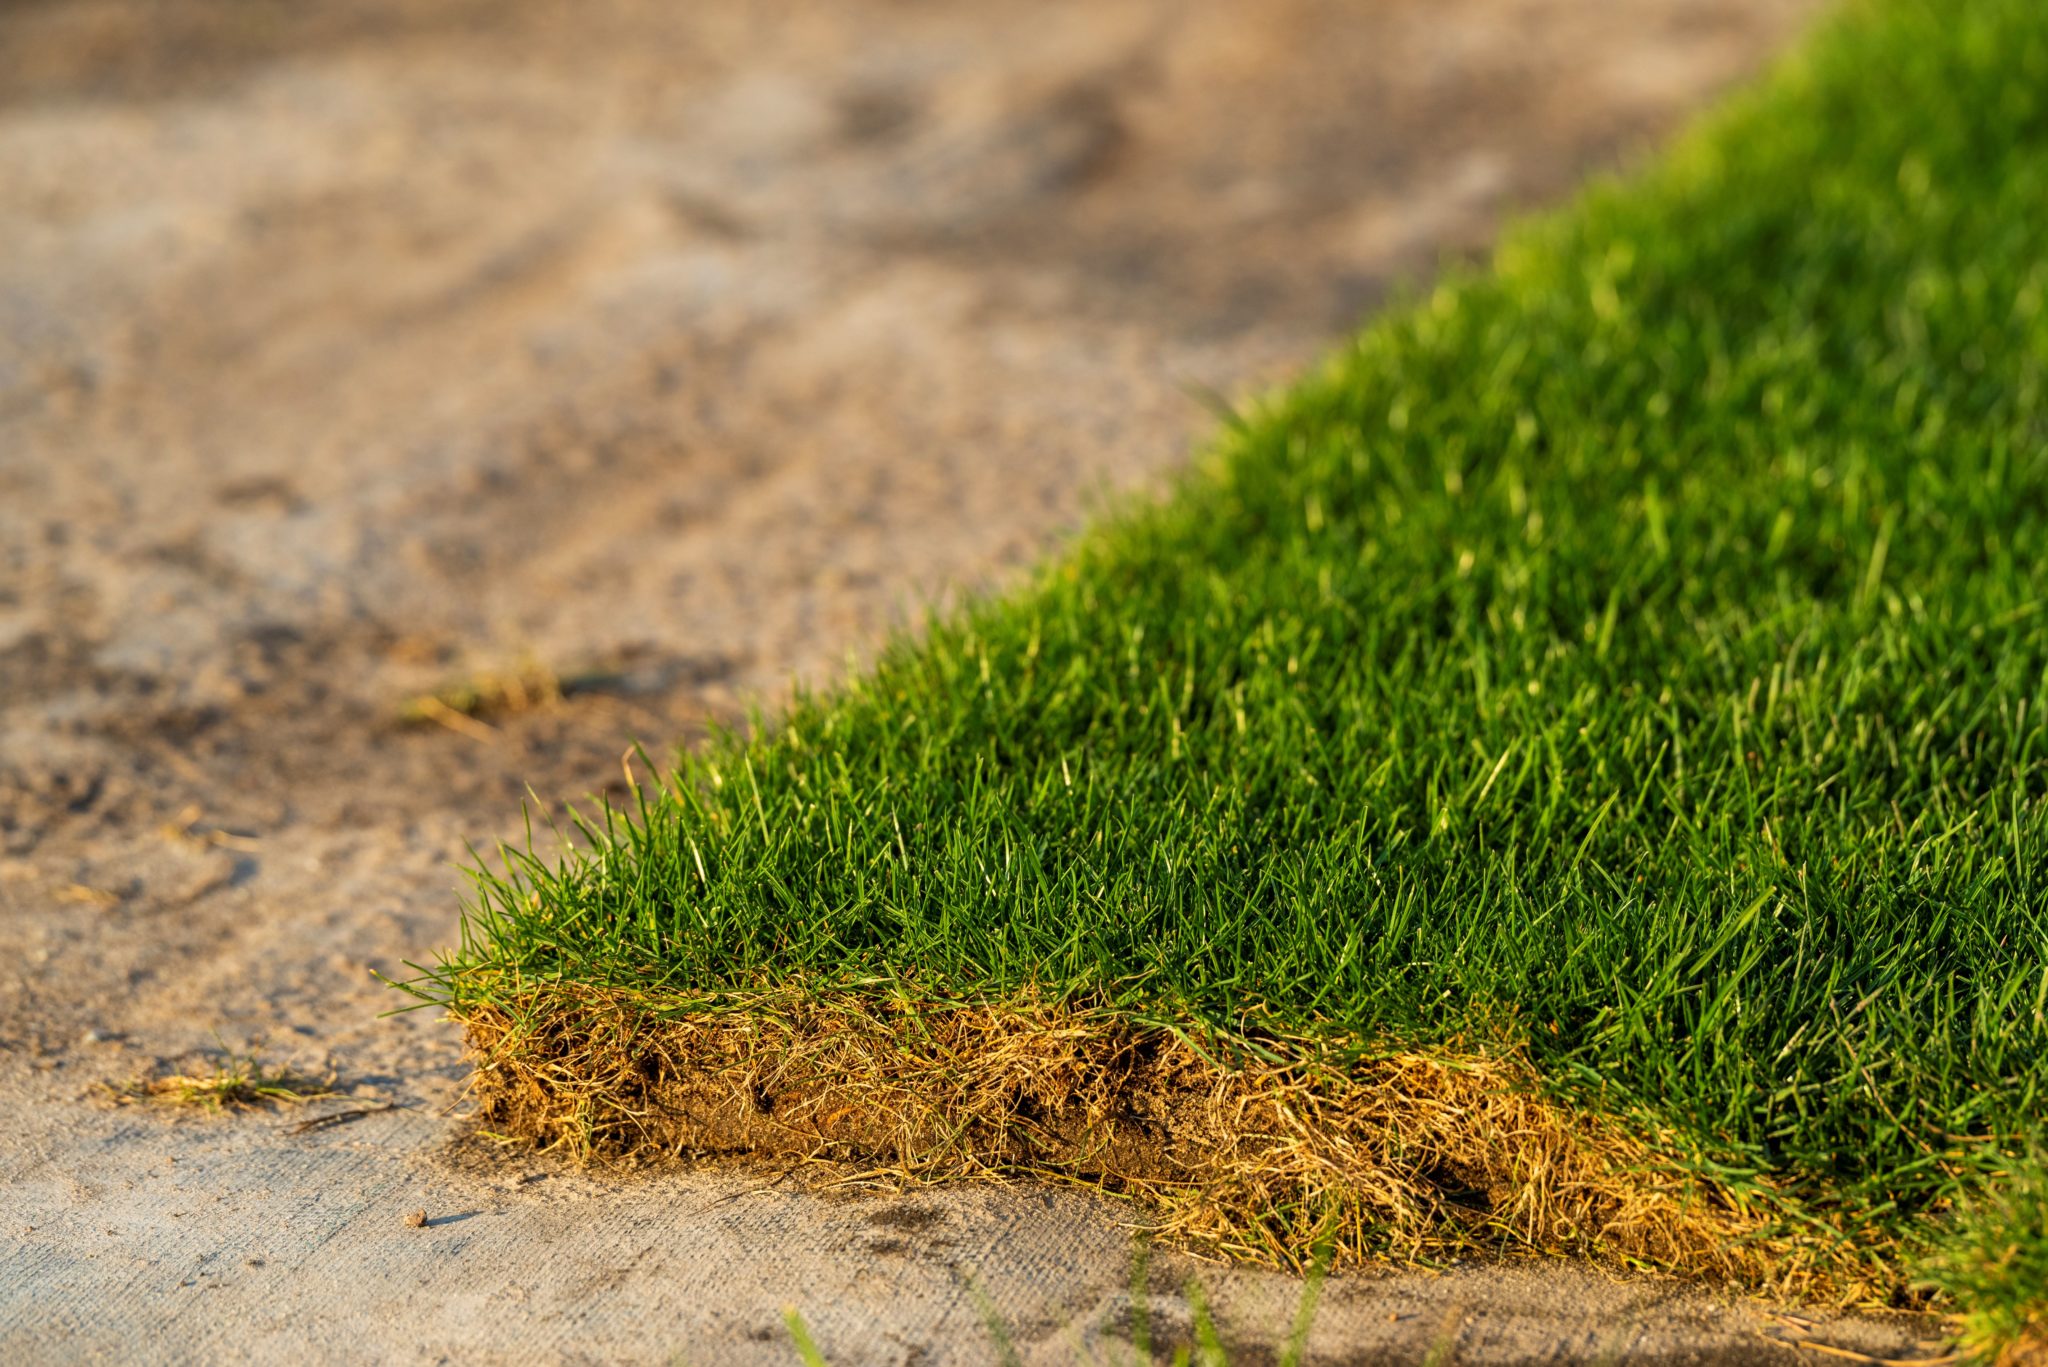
{"x": 416, "y": 1219}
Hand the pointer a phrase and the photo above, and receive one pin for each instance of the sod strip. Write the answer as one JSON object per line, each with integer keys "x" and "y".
{"x": 1631, "y": 660}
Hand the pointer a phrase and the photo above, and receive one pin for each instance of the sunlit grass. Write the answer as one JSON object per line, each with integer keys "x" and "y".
{"x": 238, "y": 1081}
{"x": 1638, "y": 648}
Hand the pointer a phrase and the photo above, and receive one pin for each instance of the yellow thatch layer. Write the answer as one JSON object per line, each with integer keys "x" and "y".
{"x": 1261, "y": 1156}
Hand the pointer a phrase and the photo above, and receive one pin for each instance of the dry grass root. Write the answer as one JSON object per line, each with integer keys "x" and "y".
{"x": 1264, "y": 1156}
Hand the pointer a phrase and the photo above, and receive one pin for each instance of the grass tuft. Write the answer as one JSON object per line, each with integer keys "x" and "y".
{"x": 470, "y": 705}
{"x": 238, "y": 1082}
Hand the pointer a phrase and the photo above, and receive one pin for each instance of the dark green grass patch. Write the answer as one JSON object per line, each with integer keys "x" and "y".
{"x": 1640, "y": 647}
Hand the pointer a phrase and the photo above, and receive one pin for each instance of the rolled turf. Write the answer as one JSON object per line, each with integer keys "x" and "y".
{"x": 1629, "y": 660}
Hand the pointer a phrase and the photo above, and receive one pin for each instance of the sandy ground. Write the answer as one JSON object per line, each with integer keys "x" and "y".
{"x": 348, "y": 349}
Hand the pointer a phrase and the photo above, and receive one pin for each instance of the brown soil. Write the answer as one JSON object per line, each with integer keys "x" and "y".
{"x": 350, "y": 351}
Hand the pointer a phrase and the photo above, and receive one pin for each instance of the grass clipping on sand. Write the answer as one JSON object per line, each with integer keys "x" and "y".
{"x": 1636, "y": 651}
{"x": 238, "y": 1081}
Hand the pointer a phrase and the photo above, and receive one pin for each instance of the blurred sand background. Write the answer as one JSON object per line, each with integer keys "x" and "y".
{"x": 678, "y": 350}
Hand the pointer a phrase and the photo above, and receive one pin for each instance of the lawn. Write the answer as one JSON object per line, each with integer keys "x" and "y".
{"x": 1570, "y": 774}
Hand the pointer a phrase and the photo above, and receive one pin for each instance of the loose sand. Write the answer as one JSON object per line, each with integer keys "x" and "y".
{"x": 348, "y": 349}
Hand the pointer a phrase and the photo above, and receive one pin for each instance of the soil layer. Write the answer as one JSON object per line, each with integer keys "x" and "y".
{"x": 1352, "y": 1154}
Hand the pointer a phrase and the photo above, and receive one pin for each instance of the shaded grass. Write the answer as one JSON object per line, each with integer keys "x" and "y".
{"x": 1638, "y": 649}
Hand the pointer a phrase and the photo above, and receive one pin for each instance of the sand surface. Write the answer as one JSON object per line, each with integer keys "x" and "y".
{"x": 347, "y": 349}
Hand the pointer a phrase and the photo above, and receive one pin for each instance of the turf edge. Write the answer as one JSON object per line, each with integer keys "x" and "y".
{"x": 1258, "y": 1149}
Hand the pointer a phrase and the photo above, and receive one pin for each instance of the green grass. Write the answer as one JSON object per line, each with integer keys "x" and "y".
{"x": 1994, "y": 1263}
{"x": 1639, "y": 646}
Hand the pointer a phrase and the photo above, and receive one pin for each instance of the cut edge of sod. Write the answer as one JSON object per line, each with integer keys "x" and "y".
{"x": 1259, "y": 1149}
